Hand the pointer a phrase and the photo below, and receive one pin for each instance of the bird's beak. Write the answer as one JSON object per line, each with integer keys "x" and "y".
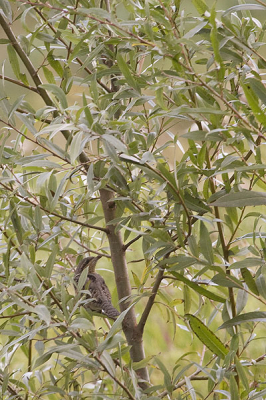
{"x": 98, "y": 257}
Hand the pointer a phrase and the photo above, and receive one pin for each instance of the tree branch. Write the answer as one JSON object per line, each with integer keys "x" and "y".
{"x": 132, "y": 333}
{"x": 18, "y": 83}
{"x": 150, "y": 302}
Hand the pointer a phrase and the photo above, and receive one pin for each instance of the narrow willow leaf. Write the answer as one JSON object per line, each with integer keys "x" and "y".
{"x": 111, "y": 151}
{"x": 57, "y": 92}
{"x": 38, "y": 218}
{"x": 180, "y": 262}
{"x": 249, "y": 280}
{"x": 198, "y": 288}
{"x": 126, "y": 72}
{"x": 261, "y": 285}
{"x": 82, "y": 323}
{"x": 248, "y": 262}
{"x": 241, "y": 301}
{"x": 42, "y": 164}
{"x": 258, "y": 87}
{"x": 136, "y": 279}
{"x": 13, "y": 59}
{"x": 195, "y": 204}
{"x": 200, "y": 5}
{"x": 27, "y": 121}
{"x": 59, "y": 191}
{"x": 190, "y": 388}
{"x": 87, "y": 111}
{"x": 141, "y": 364}
{"x": 43, "y": 313}
{"x": 226, "y": 281}
{"x": 98, "y": 12}
{"x": 48, "y": 75}
{"x": 76, "y": 147}
{"x": 241, "y": 199}
{"x": 55, "y": 64}
{"x": 254, "y": 103}
{"x": 50, "y": 262}
{"x": 16, "y": 221}
{"x": 233, "y": 388}
{"x": 167, "y": 376}
{"x": 115, "y": 142}
{"x": 195, "y": 30}
{"x": 242, "y": 374}
{"x": 244, "y": 7}
{"x": 187, "y": 299}
{"x": 90, "y": 177}
{"x": 255, "y": 316}
{"x": 167, "y": 174}
{"x": 108, "y": 362}
{"x": 15, "y": 106}
{"x": 206, "y": 336}
{"x": 7, "y": 10}
{"x": 205, "y": 243}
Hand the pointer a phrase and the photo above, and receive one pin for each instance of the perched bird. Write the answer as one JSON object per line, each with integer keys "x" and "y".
{"x": 97, "y": 287}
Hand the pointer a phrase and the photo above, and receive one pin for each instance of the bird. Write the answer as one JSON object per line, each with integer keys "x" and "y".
{"x": 97, "y": 287}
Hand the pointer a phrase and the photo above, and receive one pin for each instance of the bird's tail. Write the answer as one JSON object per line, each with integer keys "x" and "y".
{"x": 109, "y": 310}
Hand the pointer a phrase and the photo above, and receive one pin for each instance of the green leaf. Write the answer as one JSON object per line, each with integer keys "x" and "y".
{"x": 90, "y": 177}
{"x": 13, "y": 59}
{"x": 48, "y": 75}
{"x": 98, "y": 12}
{"x": 55, "y": 64}
{"x": 244, "y": 7}
{"x": 257, "y": 87}
{"x": 253, "y": 103}
{"x": 15, "y": 106}
{"x": 233, "y": 388}
{"x": 205, "y": 243}
{"x": 76, "y": 146}
{"x": 115, "y": 142}
{"x": 242, "y": 375}
{"x": 87, "y": 111}
{"x": 254, "y": 316}
{"x": 16, "y": 221}
{"x": 195, "y": 204}
{"x": 248, "y": 262}
{"x": 42, "y": 360}
{"x": 198, "y": 288}
{"x": 38, "y": 218}
{"x": 226, "y": 281}
{"x": 200, "y": 5}
{"x": 43, "y": 313}
{"x": 187, "y": 299}
{"x": 82, "y": 323}
{"x": 241, "y": 199}
{"x": 126, "y": 72}
{"x": 206, "y": 336}
{"x": 51, "y": 260}
{"x": 167, "y": 376}
{"x": 7, "y": 10}
{"x": 261, "y": 285}
{"x": 249, "y": 280}
{"x": 59, "y": 191}
{"x": 57, "y": 92}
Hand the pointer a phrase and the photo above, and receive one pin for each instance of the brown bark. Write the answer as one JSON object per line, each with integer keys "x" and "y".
{"x": 130, "y": 328}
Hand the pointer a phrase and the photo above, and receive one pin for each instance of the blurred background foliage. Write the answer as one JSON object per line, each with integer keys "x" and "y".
{"x": 162, "y": 103}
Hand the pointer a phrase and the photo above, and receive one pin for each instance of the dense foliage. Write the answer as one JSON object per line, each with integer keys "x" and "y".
{"x": 136, "y": 131}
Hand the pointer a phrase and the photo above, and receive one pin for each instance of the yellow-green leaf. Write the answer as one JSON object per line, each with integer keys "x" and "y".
{"x": 206, "y": 336}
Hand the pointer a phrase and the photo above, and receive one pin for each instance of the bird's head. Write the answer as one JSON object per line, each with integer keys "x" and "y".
{"x": 86, "y": 262}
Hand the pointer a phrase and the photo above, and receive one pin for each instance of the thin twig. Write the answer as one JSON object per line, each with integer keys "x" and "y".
{"x": 150, "y": 302}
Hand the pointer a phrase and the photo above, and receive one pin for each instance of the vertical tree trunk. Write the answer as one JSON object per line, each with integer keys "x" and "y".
{"x": 132, "y": 333}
